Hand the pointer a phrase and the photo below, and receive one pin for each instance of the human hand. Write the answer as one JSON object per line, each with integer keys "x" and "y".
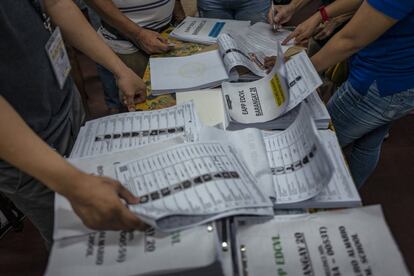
{"x": 151, "y": 42}
{"x": 280, "y": 14}
{"x": 303, "y": 31}
{"x": 269, "y": 63}
{"x": 98, "y": 202}
{"x": 133, "y": 89}
{"x": 326, "y": 30}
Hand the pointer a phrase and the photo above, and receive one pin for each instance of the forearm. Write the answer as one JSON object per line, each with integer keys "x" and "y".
{"x": 336, "y": 50}
{"x": 79, "y": 33}
{"x": 114, "y": 17}
{"x": 352, "y": 37}
{"x": 22, "y": 148}
{"x": 341, "y": 7}
{"x": 343, "y": 18}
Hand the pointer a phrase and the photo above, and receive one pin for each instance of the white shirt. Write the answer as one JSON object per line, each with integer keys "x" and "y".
{"x": 149, "y": 14}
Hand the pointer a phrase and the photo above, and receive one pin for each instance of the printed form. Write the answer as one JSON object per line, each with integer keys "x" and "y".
{"x": 284, "y": 88}
{"x": 354, "y": 241}
{"x": 133, "y": 129}
{"x": 297, "y": 166}
{"x": 108, "y": 253}
{"x": 204, "y": 180}
{"x": 300, "y": 165}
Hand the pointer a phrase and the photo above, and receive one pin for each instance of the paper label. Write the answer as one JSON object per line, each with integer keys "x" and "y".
{"x": 277, "y": 90}
{"x": 58, "y": 57}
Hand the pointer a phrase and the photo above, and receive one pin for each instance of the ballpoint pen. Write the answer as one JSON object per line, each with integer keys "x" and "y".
{"x": 273, "y": 16}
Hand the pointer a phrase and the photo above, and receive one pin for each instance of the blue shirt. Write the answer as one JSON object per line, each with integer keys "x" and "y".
{"x": 390, "y": 59}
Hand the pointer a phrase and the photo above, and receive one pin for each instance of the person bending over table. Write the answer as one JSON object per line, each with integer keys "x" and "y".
{"x": 39, "y": 120}
{"x": 131, "y": 29}
{"x": 379, "y": 40}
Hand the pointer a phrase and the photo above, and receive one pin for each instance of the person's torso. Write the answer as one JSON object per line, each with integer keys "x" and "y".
{"x": 149, "y": 14}
{"x": 27, "y": 80}
{"x": 389, "y": 60}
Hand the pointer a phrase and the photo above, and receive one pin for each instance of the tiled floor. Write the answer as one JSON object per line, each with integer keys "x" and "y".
{"x": 392, "y": 186}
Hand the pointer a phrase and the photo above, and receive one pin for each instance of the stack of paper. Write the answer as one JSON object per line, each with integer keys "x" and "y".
{"x": 181, "y": 74}
{"x": 261, "y": 102}
{"x": 133, "y": 129}
{"x": 314, "y": 103}
{"x": 298, "y": 171}
{"x": 135, "y": 253}
{"x": 240, "y": 57}
{"x": 205, "y": 30}
{"x": 348, "y": 242}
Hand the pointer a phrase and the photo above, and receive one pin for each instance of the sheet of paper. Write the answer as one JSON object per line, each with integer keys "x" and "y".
{"x": 134, "y": 253}
{"x": 205, "y": 30}
{"x": 208, "y": 105}
{"x": 348, "y": 242}
{"x": 318, "y": 108}
{"x": 66, "y": 222}
{"x": 302, "y": 79}
{"x": 235, "y": 55}
{"x": 258, "y": 101}
{"x": 194, "y": 179}
{"x": 300, "y": 165}
{"x": 179, "y": 74}
{"x": 249, "y": 144}
{"x": 266, "y": 39}
{"x": 133, "y": 129}
{"x": 341, "y": 190}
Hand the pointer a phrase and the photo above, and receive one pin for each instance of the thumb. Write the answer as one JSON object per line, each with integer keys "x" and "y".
{"x": 130, "y": 102}
{"x": 127, "y": 195}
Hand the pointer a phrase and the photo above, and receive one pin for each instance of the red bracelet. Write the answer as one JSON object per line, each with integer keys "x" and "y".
{"x": 324, "y": 14}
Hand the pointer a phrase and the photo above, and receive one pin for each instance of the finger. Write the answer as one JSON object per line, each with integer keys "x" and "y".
{"x": 131, "y": 221}
{"x": 127, "y": 195}
{"x": 163, "y": 45}
{"x": 289, "y": 37}
{"x": 140, "y": 97}
{"x": 162, "y": 39}
{"x": 270, "y": 16}
{"x": 129, "y": 102}
{"x": 300, "y": 37}
{"x": 278, "y": 19}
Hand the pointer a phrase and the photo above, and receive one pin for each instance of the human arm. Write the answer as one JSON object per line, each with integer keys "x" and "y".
{"x": 280, "y": 14}
{"x": 307, "y": 28}
{"x": 149, "y": 41}
{"x": 79, "y": 33}
{"x": 352, "y": 37}
{"x": 97, "y": 200}
{"x": 327, "y": 29}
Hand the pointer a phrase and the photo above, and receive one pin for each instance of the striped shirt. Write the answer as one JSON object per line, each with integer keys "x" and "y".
{"x": 149, "y": 14}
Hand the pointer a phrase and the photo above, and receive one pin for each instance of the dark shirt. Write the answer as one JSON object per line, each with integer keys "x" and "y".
{"x": 27, "y": 80}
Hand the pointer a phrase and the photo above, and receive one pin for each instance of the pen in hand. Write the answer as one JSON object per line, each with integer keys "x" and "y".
{"x": 273, "y": 17}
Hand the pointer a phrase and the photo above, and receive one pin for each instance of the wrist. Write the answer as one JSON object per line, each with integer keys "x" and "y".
{"x": 65, "y": 180}
{"x": 316, "y": 18}
{"x": 120, "y": 69}
{"x": 135, "y": 33}
{"x": 323, "y": 14}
